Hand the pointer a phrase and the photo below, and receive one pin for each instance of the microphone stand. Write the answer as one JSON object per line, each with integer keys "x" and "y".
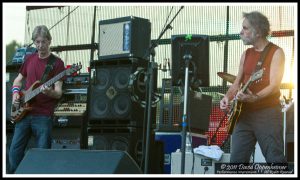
{"x": 151, "y": 65}
{"x": 187, "y": 58}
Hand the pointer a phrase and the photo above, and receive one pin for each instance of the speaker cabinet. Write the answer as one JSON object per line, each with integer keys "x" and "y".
{"x": 196, "y": 49}
{"x": 66, "y": 138}
{"x": 129, "y": 140}
{"x": 124, "y": 37}
{"x": 198, "y": 111}
{"x": 112, "y": 138}
{"x": 110, "y": 97}
{"x": 62, "y": 138}
{"x": 110, "y": 100}
{"x": 52, "y": 161}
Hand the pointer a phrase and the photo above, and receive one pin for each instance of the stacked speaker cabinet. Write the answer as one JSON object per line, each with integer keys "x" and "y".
{"x": 115, "y": 118}
{"x": 110, "y": 98}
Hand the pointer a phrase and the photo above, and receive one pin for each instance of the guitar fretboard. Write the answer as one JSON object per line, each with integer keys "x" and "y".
{"x": 38, "y": 90}
{"x": 246, "y": 85}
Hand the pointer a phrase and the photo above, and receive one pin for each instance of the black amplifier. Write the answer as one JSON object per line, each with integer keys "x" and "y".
{"x": 78, "y": 80}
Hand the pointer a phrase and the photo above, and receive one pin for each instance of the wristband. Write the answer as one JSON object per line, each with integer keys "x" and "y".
{"x": 16, "y": 92}
{"x": 15, "y": 89}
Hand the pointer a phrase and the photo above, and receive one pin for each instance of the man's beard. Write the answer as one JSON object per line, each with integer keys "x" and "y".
{"x": 249, "y": 40}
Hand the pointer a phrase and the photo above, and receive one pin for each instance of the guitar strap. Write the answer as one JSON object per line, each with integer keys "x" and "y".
{"x": 49, "y": 67}
{"x": 263, "y": 57}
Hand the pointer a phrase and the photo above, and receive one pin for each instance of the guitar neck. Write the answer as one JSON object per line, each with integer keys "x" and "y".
{"x": 244, "y": 88}
{"x": 38, "y": 90}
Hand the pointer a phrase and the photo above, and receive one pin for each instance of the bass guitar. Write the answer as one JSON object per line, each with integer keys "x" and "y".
{"x": 236, "y": 106}
{"x": 20, "y": 108}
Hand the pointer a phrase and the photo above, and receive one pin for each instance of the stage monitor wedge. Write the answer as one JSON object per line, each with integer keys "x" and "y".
{"x": 71, "y": 161}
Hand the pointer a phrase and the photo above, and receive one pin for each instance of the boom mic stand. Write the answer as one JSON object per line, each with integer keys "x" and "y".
{"x": 151, "y": 65}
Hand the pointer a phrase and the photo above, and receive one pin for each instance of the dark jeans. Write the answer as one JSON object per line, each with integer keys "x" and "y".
{"x": 38, "y": 126}
{"x": 264, "y": 126}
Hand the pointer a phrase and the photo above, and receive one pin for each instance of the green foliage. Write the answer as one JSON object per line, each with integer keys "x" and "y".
{"x": 10, "y": 51}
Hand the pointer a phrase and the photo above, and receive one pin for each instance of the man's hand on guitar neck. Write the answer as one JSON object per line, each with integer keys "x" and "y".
{"x": 224, "y": 103}
{"x": 47, "y": 90}
{"x": 55, "y": 92}
{"x": 247, "y": 97}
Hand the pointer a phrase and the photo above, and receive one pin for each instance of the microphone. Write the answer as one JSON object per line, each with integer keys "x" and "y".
{"x": 164, "y": 65}
{"x": 181, "y": 7}
{"x": 94, "y": 77}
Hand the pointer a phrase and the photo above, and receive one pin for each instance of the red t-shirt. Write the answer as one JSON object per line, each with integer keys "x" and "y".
{"x": 250, "y": 62}
{"x": 33, "y": 69}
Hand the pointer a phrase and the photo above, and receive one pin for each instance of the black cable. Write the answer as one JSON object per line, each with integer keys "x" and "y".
{"x": 63, "y": 18}
{"x": 58, "y": 21}
{"x": 134, "y": 80}
{"x": 213, "y": 138}
{"x": 165, "y": 25}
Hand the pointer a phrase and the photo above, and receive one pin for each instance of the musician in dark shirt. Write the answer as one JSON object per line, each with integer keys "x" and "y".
{"x": 261, "y": 118}
{"x": 38, "y": 121}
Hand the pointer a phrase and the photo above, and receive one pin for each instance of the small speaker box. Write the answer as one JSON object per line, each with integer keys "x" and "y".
{"x": 124, "y": 37}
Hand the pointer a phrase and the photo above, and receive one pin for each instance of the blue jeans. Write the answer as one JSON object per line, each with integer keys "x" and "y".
{"x": 38, "y": 126}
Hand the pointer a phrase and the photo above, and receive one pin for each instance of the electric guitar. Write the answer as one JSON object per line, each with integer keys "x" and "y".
{"x": 236, "y": 106}
{"x": 20, "y": 108}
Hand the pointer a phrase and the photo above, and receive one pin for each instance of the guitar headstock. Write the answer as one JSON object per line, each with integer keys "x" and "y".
{"x": 73, "y": 68}
{"x": 257, "y": 75}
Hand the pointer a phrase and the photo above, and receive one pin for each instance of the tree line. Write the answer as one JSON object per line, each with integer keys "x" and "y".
{"x": 10, "y": 50}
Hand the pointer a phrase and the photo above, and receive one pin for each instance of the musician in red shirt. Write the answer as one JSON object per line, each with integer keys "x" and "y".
{"x": 38, "y": 121}
{"x": 260, "y": 119}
